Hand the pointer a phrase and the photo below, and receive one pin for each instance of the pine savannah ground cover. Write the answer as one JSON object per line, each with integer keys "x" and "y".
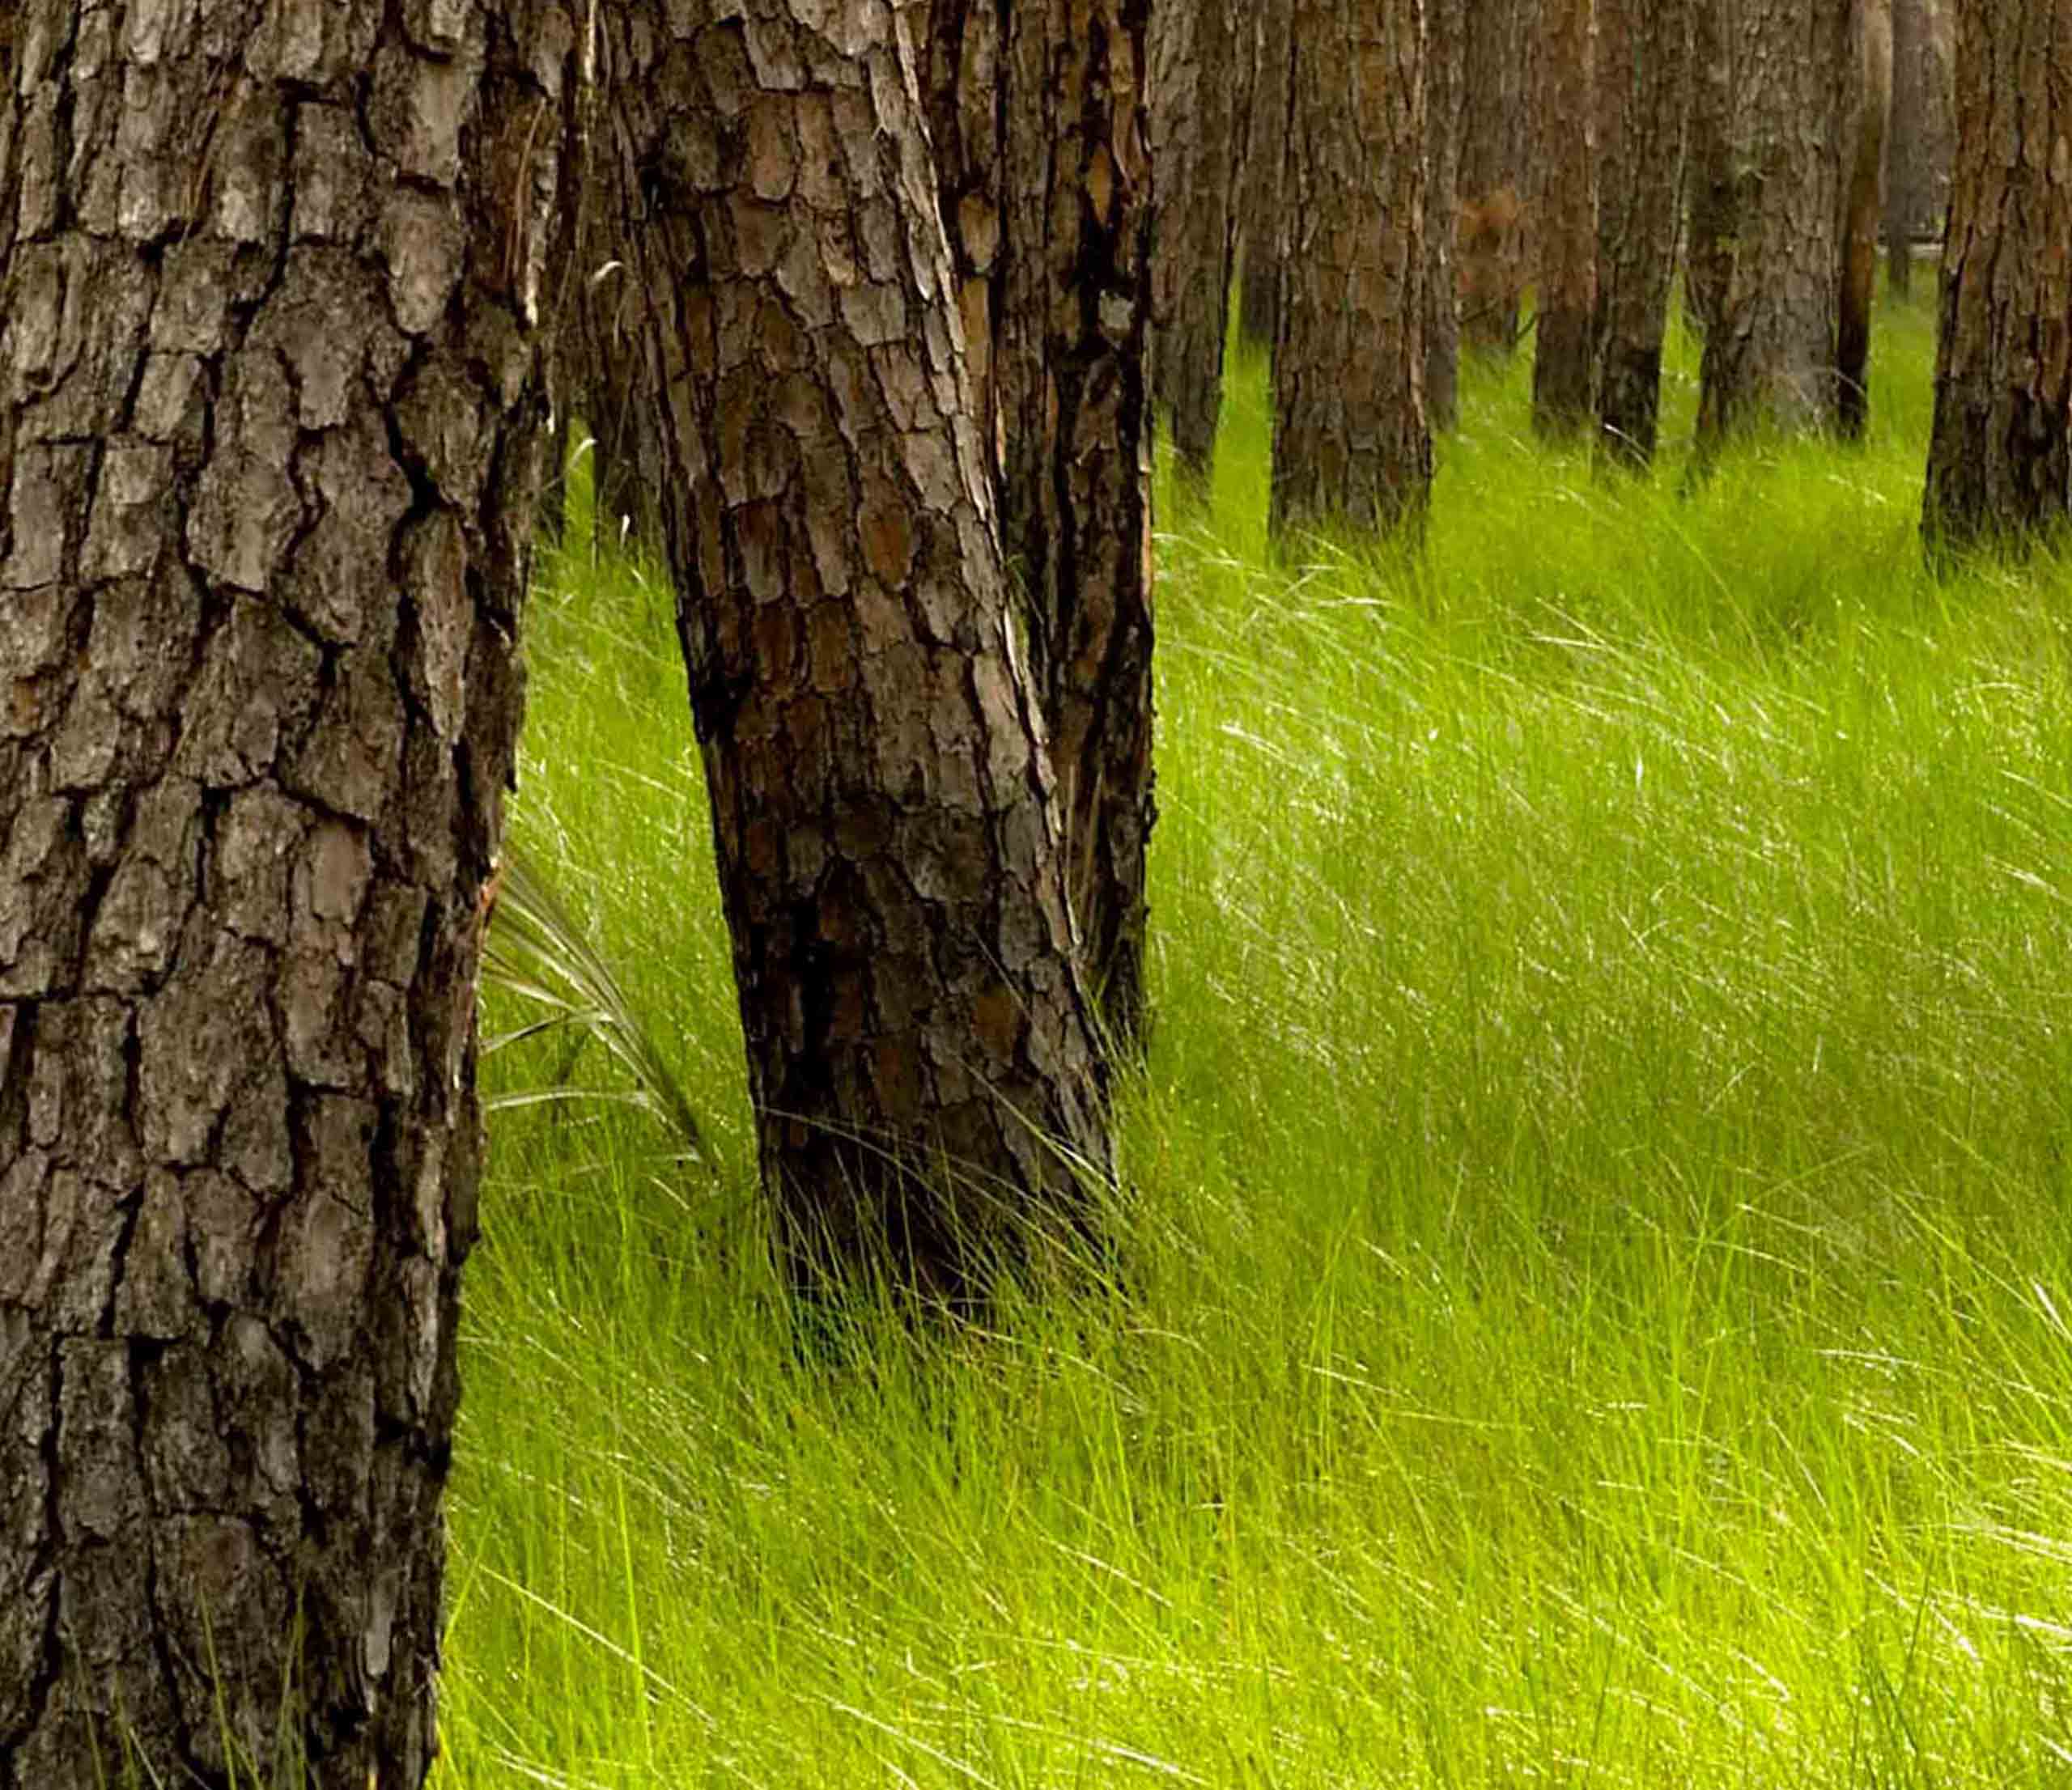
{"x": 1598, "y": 1288}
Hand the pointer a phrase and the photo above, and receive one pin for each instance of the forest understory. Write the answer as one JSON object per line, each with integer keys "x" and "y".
{"x": 1594, "y": 1300}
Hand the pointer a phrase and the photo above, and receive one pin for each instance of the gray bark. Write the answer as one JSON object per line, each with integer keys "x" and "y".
{"x": 270, "y": 420}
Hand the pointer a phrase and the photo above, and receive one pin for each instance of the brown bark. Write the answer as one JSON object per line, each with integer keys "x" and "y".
{"x": 1643, "y": 89}
{"x": 1444, "y": 48}
{"x": 1260, "y": 221}
{"x": 1904, "y": 141}
{"x": 270, "y": 414}
{"x": 1770, "y": 351}
{"x": 1052, "y": 97}
{"x": 1866, "y": 115}
{"x": 920, "y": 1043}
{"x": 1999, "y": 465}
{"x": 1496, "y": 116}
{"x": 1565, "y": 219}
{"x": 1202, "y": 59}
{"x": 1351, "y": 444}
{"x": 1716, "y": 191}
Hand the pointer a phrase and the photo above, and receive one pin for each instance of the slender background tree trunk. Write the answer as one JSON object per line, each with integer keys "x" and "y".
{"x": 1260, "y": 223}
{"x": 1446, "y": 47}
{"x": 1772, "y": 220}
{"x": 1351, "y": 444}
{"x": 1720, "y": 188}
{"x": 1904, "y": 141}
{"x": 1206, "y": 56}
{"x": 1868, "y": 113}
{"x": 1999, "y": 462}
{"x": 921, "y": 1047}
{"x": 1644, "y": 87}
{"x": 270, "y": 422}
{"x": 1565, "y": 217}
{"x": 1496, "y": 119}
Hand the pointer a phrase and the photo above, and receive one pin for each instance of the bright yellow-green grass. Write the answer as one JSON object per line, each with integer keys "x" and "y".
{"x": 1599, "y": 1297}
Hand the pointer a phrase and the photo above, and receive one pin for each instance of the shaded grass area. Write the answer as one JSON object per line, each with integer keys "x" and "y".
{"x": 1601, "y": 1304}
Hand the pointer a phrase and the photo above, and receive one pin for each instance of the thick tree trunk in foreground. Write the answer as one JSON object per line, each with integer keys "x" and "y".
{"x": 1904, "y": 140}
{"x": 920, "y": 1044}
{"x": 1999, "y": 464}
{"x": 1201, "y": 59}
{"x": 1260, "y": 225}
{"x": 1495, "y": 120}
{"x": 1868, "y": 112}
{"x": 1770, "y": 353}
{"x": 1444, "y": 48}
{"x": 1057, "y": 273}
{"x": 1644, "y": 87}
{"x": 1351, "y": 444}
{"x": 1564, "y": 393}
{"x": 270, "y": 422}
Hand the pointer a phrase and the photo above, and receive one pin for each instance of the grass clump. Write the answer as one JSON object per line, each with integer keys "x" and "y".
{"x": 1600, "y": 1306}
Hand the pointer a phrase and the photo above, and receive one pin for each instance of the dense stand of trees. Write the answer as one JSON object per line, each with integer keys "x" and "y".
{"x": 866, "y": 313}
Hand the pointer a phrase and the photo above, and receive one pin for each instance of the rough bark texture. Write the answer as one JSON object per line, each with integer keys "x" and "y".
{"x": 1444, "y": 50}
{"x": 957, "y": 46}
{"x": 1999, "y": 462}
{"x": 1202, "y": 58}
{"x": 1496, "y": 118}
{"x": 1260, "y": 223}
{"x": 890, "y": 853}
{"x": 1351, "y": 444}
{"x": 1770, "y": 351}
{"x": 1564, "y": 393}
{"x": 1058, "y": 273}
{"x": 1866, "y": 115}
{"x": 1643, "y": 89}
{"x": 270, "y": 421}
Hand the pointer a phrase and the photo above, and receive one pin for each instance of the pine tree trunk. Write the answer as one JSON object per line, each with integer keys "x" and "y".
{"x": 1058, "y": 274}
{"x": 1644, "y": 87}
{"x": 1202, "y": 63}
{"x": 1771, "y": 355}
{"x": 920, "y": 1043}
{"x": 1999, "y": 464}
{"x": 1496, "y": 116}
{"x": 1867, "y": 114}
{"x": 1718, "y": 192}
{"x": 1446, "y": 32}
{"x": 1075, "y": 503}
{"x": 1350, "y": 445}
{"x": 270, "y": 422}
{"x": 1564, "y": 394}
{"x": 1260, "y": 221}
{"x": 1903, "y": 156}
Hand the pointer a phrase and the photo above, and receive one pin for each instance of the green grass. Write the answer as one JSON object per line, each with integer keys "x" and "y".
{"x": 1601, "y": 1309}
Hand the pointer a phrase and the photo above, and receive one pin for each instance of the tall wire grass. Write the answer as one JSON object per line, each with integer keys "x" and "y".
{"x": 1600, "y": 1295}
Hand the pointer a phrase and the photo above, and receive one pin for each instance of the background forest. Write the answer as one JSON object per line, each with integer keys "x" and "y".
{"x": 1598, "y": 1275}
